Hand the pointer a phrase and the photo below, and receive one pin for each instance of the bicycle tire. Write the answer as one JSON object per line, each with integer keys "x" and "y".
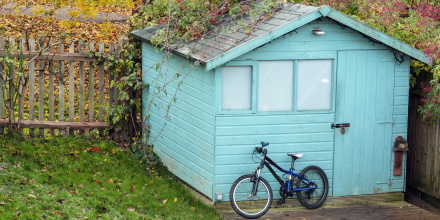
{"x": 313, "y": 198}
{"x": 245, "y": 206}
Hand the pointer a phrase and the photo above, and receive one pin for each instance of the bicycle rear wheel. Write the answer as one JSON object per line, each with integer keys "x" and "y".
{"x": 313, "y": 198}
{"x": 246, "y": 205}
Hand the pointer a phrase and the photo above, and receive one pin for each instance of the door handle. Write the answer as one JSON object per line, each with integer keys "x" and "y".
{"x": 343, "y": 125}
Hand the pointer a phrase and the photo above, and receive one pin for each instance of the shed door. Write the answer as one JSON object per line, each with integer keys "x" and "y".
{"x": 364, "y": 98}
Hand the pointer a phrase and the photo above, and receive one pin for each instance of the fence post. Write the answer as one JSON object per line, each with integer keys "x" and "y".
{"x": 51, "y": 88}
{"x": 31, "y": 85}
{"x": 91, "y": 85}
{"x": 41, "y": 67}
{"x": 10, "y": 96}
{"x": 101, "y": 88}
{"x": 71, "y": 88}
{"x": 61, "y": 82}
{"x": 2, "y": 84}
{"x": 81, "y": 85}
{"x": 21, "y": 84}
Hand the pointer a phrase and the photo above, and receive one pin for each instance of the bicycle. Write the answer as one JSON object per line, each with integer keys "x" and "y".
{"x": 251, "y": 195}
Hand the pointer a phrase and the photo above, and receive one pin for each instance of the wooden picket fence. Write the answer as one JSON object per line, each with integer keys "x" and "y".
{"x": 66, "y": 88}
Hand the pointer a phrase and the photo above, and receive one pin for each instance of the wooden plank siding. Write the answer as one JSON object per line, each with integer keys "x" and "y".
{"x": 308, "y": 133}
{"x": 63, "y": 90}
{"x": 185, "y": 141}
{"x": 400, "y": 125}
{"x": 302, "y": 44}
{"x": 237, "y": 136}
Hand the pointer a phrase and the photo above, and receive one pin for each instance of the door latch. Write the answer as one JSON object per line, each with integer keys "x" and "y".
{"x": 343, "y": 125}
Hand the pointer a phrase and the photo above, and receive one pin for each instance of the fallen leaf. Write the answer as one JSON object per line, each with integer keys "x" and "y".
{"x": 96, "y": 149}
{"x": 33, "y": 196}
{"x": 175, "y": 199}
{"x": 131, "y": 209}
{"x": 165, "y": 201}
{"x": 110, "y": 181}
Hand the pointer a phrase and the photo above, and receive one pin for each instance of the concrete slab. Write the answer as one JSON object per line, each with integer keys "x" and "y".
{"x": 378, "y": 206}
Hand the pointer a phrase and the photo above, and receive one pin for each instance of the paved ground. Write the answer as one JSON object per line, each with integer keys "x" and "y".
{"x": 380, "y": 206}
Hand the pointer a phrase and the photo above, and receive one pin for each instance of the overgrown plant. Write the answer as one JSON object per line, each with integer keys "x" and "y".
{"x": 430, "y": 110}
{"x": 12, "y": 83}
{"x": 124, "y": 113}
{"x": 183, "y": 21}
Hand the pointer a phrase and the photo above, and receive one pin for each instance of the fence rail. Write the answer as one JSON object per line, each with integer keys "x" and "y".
{"x": 57, "y": 85}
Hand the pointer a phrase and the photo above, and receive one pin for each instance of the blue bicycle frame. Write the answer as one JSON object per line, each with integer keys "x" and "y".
{"x": 266, "y": 161}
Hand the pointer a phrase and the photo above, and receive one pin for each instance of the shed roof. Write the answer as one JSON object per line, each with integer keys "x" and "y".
{"x": 215, "y": 49}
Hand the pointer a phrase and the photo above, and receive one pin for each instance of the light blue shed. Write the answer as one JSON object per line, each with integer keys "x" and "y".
{"x": 285, "y": 82}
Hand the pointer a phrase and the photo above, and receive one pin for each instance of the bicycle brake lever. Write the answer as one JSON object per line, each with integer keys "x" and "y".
{"x": 258, "y": 149}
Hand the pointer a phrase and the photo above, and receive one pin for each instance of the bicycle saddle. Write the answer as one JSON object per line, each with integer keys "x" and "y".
{"x": 295, "y": 156}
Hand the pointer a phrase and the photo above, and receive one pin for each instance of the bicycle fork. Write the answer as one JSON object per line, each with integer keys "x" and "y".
{"x": 255, "y": 179}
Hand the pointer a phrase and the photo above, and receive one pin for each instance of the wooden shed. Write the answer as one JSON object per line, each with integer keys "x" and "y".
{"x": 286, "y": 81}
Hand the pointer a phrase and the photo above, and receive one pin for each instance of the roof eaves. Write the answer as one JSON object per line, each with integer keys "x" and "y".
{"x": 375, "y": 34}
{"x": 263, "y": 39}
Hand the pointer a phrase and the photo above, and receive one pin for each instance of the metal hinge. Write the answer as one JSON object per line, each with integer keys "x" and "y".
{"x": 389, "y": 182}
{"x": 386, "y": 122}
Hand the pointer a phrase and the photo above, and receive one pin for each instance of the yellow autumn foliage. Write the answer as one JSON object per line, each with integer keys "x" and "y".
{"x": 44, "y": 24}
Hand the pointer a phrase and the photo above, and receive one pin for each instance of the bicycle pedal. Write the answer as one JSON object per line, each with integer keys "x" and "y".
{"x": 281, "y": 201}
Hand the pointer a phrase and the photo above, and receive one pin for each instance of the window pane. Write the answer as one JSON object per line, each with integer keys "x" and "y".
{"x": 275, "y": 86}
{"x": 314, "y": 84}
{"x": 237, "y": 88}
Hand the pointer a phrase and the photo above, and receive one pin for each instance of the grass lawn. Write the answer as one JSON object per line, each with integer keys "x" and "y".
{"x": 80, "y": 177}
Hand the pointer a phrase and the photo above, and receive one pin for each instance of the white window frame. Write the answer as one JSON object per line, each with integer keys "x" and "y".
{"x": 219, "y": 78}
{"x": 254, "y": 84}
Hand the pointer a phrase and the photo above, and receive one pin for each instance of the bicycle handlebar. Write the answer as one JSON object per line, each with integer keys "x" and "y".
{"x": 259, "y": 149}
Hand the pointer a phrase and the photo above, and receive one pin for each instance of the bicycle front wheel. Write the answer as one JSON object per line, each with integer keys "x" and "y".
{"x": 242, "y": 201}
{"x": 313, "y": 198}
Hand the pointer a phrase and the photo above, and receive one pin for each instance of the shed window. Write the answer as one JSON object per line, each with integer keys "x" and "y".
{"x": 314, "y": 85}
{"x": 275, "y": 86}
{"x": 237, "y": 88}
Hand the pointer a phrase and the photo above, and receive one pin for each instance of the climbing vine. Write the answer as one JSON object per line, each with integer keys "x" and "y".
{"x": 180, "y": 21}
{"x": 12, "y": 81}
